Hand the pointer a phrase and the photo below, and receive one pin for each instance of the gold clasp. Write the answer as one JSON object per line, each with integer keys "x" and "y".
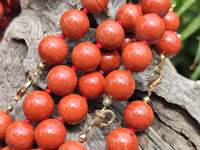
{"x": 23, "y": 90}
{"x": 155, "y": 78}
{"x": 101, "y": 115}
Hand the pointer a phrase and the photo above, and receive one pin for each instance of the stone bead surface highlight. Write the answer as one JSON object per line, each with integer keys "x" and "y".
{"x": 73, "y": 109}
{"x": 122, "y": 139}
{"x": 86, "y": 57}
{"x": 52, "y": 49}
{"x": 149, "y": 28}
{"x": 169, "y": 44}
{"x": 74, "y": 24}
{"x": 20, "y": 136}
{"x": 38, "y": 106}
{"x": 110, "y": 35}
{"x": 138, "y": 115}
{"x": 1, "y": 11}
{"x": 91, "y": 85}
{"x": 110, "y": 61}
{"x": 171, "y": 21}
{"x": 72, "y": 145}
{"x": 136, "y": 57}
{"x": 95, "y": 6}
{"x": 61, "y": 80}
{"x": 119, "y": 85}
{"x": 127, "y": 40}
{"x": 161, "y": 7}
{"x": 128, "y": 14}
{"x": 5, "y": 121}
{"x": 50, "y": 134}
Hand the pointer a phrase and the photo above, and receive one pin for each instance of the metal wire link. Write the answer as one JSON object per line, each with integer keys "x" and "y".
{"x": 30, "y": 81}
{"x": 155, "y": 78}
{"x": 98, "y": 121}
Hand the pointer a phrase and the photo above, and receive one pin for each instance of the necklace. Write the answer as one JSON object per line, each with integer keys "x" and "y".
{"x": 119, "y": 85}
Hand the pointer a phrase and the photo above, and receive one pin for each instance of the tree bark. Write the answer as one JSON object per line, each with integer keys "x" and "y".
{"x": 175, "y": 101}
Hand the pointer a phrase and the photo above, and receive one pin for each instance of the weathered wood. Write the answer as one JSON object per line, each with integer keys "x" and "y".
{"x": 175, "y": 102}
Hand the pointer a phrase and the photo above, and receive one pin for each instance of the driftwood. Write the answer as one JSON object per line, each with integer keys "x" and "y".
{"x": 175, "y": 101}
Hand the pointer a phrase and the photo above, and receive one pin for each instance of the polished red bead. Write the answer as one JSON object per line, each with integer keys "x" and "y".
{"x": 161, "y": 7}
{"x": 91, "y": 85}
{"x": 61, "y": 80}
{"x": 140, "y": 6}
{"x": 38, "y": 106}
{"x": 50, "y": 134}
{"x": 52, "y": 49}
{"x": 72, "y": 145}
{"x": 110, "y": 35}
{"x": 5, "y": 21}
{"x": 138, "y": 115}
{"x": 171, "y": 21}
{"x": 128, "y": 14}
{"x": 150, "y": 28}
{"x": 6, "y": 148}
{"x": 20, "y": 136}
{"x": 119, "y": 85}
{"x": 127, "y": 40}
{"x": 74, "y": 24}
{"x": 110, "y": 61}
{"x": 136, "y": 57}
{"x": 122, "y": 139}
{"x": 1, "y": 11}
{"x": 169, "y": 44}
{"x": 73, "y": 109}
{"x": 5, "y": 121}
{"x": 86, "y": 57}
{"x": 95, "y": 6}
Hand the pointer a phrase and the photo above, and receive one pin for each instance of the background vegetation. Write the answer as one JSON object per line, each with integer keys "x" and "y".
{"x": 187, "y": 60}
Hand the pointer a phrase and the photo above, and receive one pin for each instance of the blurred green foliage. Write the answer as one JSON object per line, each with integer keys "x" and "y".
{"x": 189, "y": 13}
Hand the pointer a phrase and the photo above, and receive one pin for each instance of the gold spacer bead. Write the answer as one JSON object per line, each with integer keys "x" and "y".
{"x": 107, "y": 101}
{"x": 146, "y": 99}
{"x": 41, "y": 65}
{"x": 82, "y": 137}
{"x": 9, "y": 109}
{"x": 162, "y": 57}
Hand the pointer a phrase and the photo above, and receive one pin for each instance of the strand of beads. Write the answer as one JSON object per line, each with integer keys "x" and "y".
{"x": 138, "y": 115}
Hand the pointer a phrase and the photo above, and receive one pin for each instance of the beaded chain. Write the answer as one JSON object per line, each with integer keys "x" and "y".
{"x": 130, "y": 39}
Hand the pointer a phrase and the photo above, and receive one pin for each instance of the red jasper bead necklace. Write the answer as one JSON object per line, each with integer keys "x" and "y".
{"x": 87, "y": 57}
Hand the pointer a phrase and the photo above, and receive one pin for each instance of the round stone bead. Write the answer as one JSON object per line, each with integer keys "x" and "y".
{"x": 128, "y": 14}
{"x": 61, "y": 80}
{"x": 20, "y": 136}
{"x": 122, "y": 139}
{"x": 169, "y": 44}
{"x": 86, "y": 57}
{"x": 5, "y": 121}
{"x": 5, "y": 148}
{"x": 50, "y": 134}
{"x": 72, "y": 145}
{"x": 138, "y": 115}
{"x": 73, "y": 109}
{"x": 161, "y": 7}
{"x": 110, "y": 61}
{"x": 74, "y": 24}
{"x": 109, "y": 34}
{"x": 119, "y": 85}
{"x": 171, "y": 21}
{"x": 91, "y": 85}
{"x": 52, "y": 49}
{"x": 127, "y": 40}
{"x": 136, "y": 57}
{"x": 1, "y": 11}
{"x": 95, "y": 6}
{"x": 38, "y": 106}
{"x": 149, "y": 28}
